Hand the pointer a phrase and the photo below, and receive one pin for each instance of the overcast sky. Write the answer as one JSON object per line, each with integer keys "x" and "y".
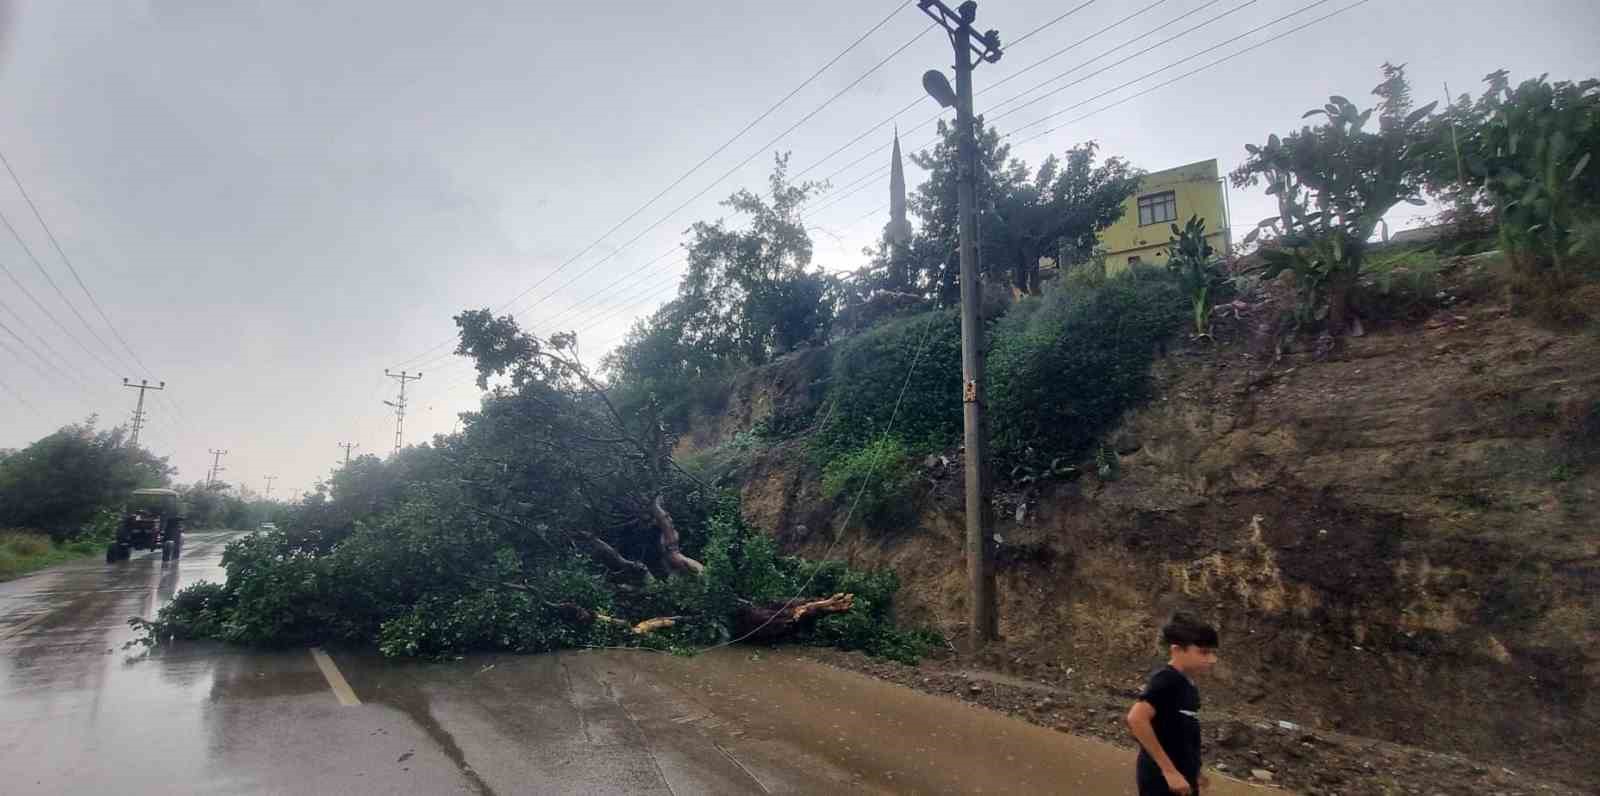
{"x": 273, "y": 201}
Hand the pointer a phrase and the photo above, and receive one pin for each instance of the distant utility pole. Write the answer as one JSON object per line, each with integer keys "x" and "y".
{"x": 400, "y": 405}
{"x": 270, "y": 479}
{"x": 138, "y": 412}
{"x": 971, "y": 48}
{"x": 216, "y": 466}
{"x": 347, "y": 446}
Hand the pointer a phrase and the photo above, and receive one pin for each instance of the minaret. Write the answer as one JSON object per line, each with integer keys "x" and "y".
{"x": 899, "y": 230}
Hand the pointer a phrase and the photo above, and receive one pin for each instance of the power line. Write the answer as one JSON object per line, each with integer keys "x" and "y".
{"x": 1163, "y": 26}
{"x": 597, "y": 321}
{"x": 1064, "y": 50}
{"x": 57, "y": 288}
{"x": 1024, "y": 37}
{"x": 70, "y": 267}
{"x": 863, "y": 182}
{"x": 611, "y": 289}
{"x": 55, "y": 368}
{"x": 675, "y": 183}
{"x": 1277, "y": 37}
{"x": 18, "y": 397}
{"x": 23, "y": 289}
{"x": 795, "y": 126}
{"x": 991, "y": 116}
{"x": 741, "y": 164}
{"x": 919, "y": 99}
{"x": 1059, "y": 18}
{"x": 1157, "y": 71}
{"x": 729, "y": 142}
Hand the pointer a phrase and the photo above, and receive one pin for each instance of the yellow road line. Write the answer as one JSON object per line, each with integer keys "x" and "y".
{"x": 336, "y": 681}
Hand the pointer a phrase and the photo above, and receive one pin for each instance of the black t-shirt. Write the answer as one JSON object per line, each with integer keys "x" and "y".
{"x": 1177, "y": 721}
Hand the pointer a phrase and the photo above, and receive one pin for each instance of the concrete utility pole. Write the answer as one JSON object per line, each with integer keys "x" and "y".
{"x": 138, "y": 412}
{"x": 270, "y": 479}
{"x": 400, "y": 406}
{"x": 971, "y": 48}
{"x": 347, "y": 446}
{"x": 216, "y": 466}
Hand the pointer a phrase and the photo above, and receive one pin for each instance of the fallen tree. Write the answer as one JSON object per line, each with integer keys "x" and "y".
{"x": 550, "y": 520}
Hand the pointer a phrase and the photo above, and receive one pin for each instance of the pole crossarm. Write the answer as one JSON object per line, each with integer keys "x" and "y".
{"x": 985, "y": 45}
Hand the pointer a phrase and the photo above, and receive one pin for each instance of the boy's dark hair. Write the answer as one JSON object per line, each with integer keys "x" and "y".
{"x": 1187, "y": 631}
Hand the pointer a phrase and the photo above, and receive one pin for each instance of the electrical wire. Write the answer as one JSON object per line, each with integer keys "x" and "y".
{"x": 675, "y": 183}
{"x": 72, "y": 269}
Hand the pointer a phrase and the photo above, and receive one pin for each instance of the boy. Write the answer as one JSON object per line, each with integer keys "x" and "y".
{"x": 1166, "y": 720}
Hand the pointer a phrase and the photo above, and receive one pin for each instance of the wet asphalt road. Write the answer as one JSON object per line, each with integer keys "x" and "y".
{"x": 81, "y": 714}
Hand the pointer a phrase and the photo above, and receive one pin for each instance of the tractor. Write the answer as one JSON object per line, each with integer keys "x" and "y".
{"x": 153, "y": 521}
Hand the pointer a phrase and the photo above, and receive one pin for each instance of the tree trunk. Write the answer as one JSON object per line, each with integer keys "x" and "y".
{"x": 751, "y": 622}
{"x": 608, "y": 555}
{"x": 760, "y": 623}
{"x": 1341, "y": 312}
{"x": 671, "y": 556}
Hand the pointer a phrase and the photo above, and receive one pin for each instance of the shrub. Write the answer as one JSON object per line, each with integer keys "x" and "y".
{"x": 880, "y": 473}
{"x": 868, "y": 373}
{"x": 1064, "y": 367}
{"x": 869, "y": 626}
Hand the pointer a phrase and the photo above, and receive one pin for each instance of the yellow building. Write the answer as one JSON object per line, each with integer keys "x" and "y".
{"x": 1165, "y": 198}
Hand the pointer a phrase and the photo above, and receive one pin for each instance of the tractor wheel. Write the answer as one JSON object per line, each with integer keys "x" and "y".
{"x": 111, "y": 553}
{"x": 177, "y": 548}
{"x": 169, "y": 551}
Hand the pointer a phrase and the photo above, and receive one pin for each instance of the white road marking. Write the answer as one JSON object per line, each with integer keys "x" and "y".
{"x": 24, "y": 625}
{"x": 336, "y": 681}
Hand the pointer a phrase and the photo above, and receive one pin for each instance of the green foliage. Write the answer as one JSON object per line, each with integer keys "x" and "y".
{"x": 1537, "y": 144}
{"x": 1060, "y": 207}
{"x": 749, "y": 294}
{"x": 1064, "y": 367}
{"x": 879, "y": 473}
{"x": 499, "y": 618}
{"x": 198, "y": 611}
{"x": 1334, "y": 183}
{"x": 869, "y": 626}
{"x": 64, "y": 481}
{"x": 1192, "y": 259}
{"x": 934, "y": 202}
{"x": 869, "y": 372}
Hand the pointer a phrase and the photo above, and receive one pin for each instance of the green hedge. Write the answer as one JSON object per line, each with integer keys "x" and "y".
{"x": 1064, "y": 367}
{"x": 868, "y": 372}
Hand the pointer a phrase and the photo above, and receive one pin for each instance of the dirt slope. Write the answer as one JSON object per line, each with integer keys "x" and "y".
{"x": 1399, "y": 542}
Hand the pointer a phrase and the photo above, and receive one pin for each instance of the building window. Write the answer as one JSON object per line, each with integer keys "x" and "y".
{"x": 1158, "y": 208}
{"x": 1134, "y": 260}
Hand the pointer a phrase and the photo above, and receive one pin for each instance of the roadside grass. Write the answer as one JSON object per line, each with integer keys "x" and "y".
{"x": 22, "y": 552}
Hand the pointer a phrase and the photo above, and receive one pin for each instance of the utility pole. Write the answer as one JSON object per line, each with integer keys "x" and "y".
{"x": 270, "y": 479}
{"x": 400, "y": 406}
{"x": 138, "y": 412}
{"x": 971, "y": 48}
{"x": 216, "y": 466}
{"x": 347, "y": 446}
